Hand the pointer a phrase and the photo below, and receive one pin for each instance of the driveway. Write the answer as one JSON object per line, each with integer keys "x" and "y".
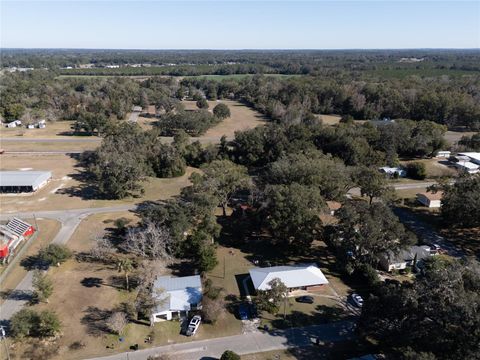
{"x": 248, "y": 343}
{"x": 426, "y": 232}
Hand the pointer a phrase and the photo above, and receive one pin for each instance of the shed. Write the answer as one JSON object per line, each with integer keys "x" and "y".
{"x": 23, "y": 181}
{"x": 431, "y": 200}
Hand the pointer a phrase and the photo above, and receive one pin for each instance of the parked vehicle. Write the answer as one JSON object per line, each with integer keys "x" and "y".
{"x": 305, "y": 299}
{"x": 357, "y": 300}
{"x": 193, "y": 325}
{"x": 243, "y": 312}
{"x": 252, "y": 309}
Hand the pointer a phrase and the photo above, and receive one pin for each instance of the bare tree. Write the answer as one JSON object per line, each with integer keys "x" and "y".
{"x": 151, "y": 241}
{"x": 117, "y": 322}
{"x": 149, "y": 298}
{"x": 212, "y": 309}
{"x": 102, "y": 248}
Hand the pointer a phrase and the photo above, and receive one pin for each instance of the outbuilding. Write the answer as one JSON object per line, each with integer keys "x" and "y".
{"x": 431, "y": 200}
{"x": 443, "y": 154}
{"x": 295, "y": 277}
{"x": 23, "y": 181}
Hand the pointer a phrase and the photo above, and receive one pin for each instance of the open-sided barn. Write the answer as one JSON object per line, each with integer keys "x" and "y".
{"x": 23, "y": 181}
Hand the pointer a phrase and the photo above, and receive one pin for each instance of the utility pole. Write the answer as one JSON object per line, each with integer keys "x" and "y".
{"x": 2, "y": 337}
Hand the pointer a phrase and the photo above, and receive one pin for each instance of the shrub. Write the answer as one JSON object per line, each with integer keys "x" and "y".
{"x": 54, "y": 254}
{"x": 221, "y": 111}
{"x": 202, "y": 103}
{"x": 230, "y": 355}
{"x": 416, "y": 170}
{"x": 117, "y": 322}
{"x": 42, "y": 285}
{"x": 30, "y": 323}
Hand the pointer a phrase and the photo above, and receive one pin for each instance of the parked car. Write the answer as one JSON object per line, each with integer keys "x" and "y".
{"x": 243, "y": 312}
{"x": 357, "y": 300}
{"x": 252, "y": 309}
{"x": 193, "y": 325}
{"x": 305, "y": 299}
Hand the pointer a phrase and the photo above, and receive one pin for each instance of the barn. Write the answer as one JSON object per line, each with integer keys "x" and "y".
{"x": 23, "y": 181}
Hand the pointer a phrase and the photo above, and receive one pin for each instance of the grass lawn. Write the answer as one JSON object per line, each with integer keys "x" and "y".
{"x": 242, "y": 118}
{"x": 232, "y": 274}
{"x": 46, "y": 146}
{"x": 60, "y": 128}
{"x": 66, "y": 190}
{"x": 435, "y": 168}
{"x": 83, "y": 308}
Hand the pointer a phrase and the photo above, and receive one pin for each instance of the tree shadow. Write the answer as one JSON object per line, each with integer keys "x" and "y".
{"x": 19, "y": 295}
{"x": 95, "y": 320}
{"x": 33, "y": 262}
{"x": 90, "y": 282}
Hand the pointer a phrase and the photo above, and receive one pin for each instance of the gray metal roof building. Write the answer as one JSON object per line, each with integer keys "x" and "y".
{"x": 23, "y": 181}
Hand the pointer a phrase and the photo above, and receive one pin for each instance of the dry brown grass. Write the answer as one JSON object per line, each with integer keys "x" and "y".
{"x": 61, "y": 128}
{"x": 72, "y": 301}
{"x": 330, "y": 119}
{"x": 65, "y": 189}
{"x": 242, "y": 118}
{"x": 435, "y": 168}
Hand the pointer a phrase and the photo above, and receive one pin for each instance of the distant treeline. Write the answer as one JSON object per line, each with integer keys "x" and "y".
{"x": 180, "y": 62}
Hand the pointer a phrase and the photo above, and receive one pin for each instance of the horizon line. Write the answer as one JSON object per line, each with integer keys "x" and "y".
{"x": 239, "y": 49}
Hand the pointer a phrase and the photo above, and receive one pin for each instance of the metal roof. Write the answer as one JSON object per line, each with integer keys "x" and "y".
{"x": 169, "y": 283}
{"x": 24, "y": 178}
{"x": 177, "y": 293}
{"x": 291, "y": 276}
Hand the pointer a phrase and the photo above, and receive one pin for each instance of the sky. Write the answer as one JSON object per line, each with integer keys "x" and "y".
{"x": 243, "y": 24}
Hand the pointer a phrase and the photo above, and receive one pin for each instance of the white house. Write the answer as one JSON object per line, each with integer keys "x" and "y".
{"x": 473, "y": 156}
{"x": 12, "y": 124}
{"x": 430, "y": 200}
{"x": 444, "y": 154}
{"x": 391, "y": 171}
{"x": 468, "y": 167}
{"x": 399, "y": 261}
{"x": 295, "y": 277}
{"x": 176, "y": 296}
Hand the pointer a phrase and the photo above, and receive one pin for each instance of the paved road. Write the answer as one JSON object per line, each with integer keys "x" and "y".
{"x": 44, "y": 152}
{"x": 70, "y": 219}
{"x": 246, "y": 343}
{"x": 399, "y": 186}
{"x": 60, "y": 140}
{"x": 426, "y": 232}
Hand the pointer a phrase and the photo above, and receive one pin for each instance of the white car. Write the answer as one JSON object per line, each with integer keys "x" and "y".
{"x": 357, "y": 300}
{"x": 194, "y": 325}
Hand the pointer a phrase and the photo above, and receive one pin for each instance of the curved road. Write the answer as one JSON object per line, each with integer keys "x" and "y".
{"x": 69, "y": 219}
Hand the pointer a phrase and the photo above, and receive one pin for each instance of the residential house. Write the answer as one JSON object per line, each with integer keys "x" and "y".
{"x": 467, "y": 167}
{"x": 404, "y": 258}
{"x": 295, "y": 277}
{"x": 474, "y": 157}
{"x": 431, "y": 200}
{"x": 176, "y": 296}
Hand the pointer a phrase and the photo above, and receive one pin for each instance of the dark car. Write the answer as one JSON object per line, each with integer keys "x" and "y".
{"x": 305, "y": 299}
{"x": 252, "y": 309}
{"x": 243, "y": 312}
